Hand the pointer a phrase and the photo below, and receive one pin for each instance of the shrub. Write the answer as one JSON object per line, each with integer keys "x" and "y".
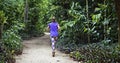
{"x": 6, "y": 56}
{"x": 11, "y": 38}
{"x": 77, "y": 56}
{"x": 97, "y": 53}
{"x": 11, "y": 43}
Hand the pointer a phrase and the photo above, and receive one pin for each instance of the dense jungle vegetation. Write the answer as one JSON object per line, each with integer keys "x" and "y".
{"x": 89, "y": 28}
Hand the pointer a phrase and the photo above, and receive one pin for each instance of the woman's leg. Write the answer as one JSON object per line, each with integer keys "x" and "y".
{"x": 53, "y": 45}
{"x": 55, "y": 38}
{"x": 53, "y": 41}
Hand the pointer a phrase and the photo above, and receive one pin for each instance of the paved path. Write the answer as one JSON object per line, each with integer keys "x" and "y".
{"x": 38, "y": 50}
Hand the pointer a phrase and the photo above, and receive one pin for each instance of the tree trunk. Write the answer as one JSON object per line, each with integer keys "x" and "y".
{"x": 26, "y": 11}
{"x": 1, "y": 30}
{"x": 87, "y": 16}
{"x": 117, "y": 3}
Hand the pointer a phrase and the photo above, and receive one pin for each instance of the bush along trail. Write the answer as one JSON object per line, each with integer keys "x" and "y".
{"x": 38, "y": 50}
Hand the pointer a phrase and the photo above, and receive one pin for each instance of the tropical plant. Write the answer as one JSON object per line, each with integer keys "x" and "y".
{"x": 96, "y": 27}
{"x": 97, "y": 53}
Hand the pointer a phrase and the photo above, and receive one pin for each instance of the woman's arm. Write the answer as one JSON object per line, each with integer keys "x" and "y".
{"x": 48, "y": 28}
{"x": 58, "y": 27}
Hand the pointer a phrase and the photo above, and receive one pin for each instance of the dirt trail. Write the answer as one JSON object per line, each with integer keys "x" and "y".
{"x": 38, "y": 50}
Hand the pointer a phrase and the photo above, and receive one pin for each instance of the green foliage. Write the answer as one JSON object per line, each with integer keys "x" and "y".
{"x": 2, "y": 18}
{"x": 78, "y": 28}
{"x": 2, "y": 49}
{"x": 97, "y": 53}
{"x": 76, "y": 55}
{"x": 35, "y": 24}
{"x": 44, "y": 15}
{"x": 13, "y": 9}
{"x": 11, "y": 43}
{"x": 11, "y": 38}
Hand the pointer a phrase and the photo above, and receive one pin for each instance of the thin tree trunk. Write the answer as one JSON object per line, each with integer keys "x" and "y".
{"x": 105, "y": 24}
{"x": 26, "y": 11}
{"x": 87, "y": 20}
{"x": 117, "y": 3}
{"x": 1, "y": 31}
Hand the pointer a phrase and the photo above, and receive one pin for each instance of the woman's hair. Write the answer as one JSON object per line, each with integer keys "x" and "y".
{"x": 53, "y": 17}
